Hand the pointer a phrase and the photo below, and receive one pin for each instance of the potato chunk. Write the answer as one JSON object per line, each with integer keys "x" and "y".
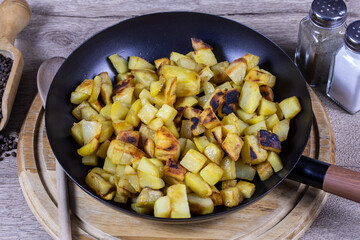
{"x": 193, "y": 161}
{"x": 197, "y": 184}
{"x": 269, "y": 141}
{"x": 231, "y": 196}
{"x": 290, "y": 107}
{"x": 199, "y": 205}
{"x": 179, "y": 202}
{"x": 250, "y": 97}
{"x": 167, "y": 147}
{"x": 212, "y": 173}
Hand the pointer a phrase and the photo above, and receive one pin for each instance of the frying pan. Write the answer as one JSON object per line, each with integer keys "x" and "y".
{"x": 156, "y": 35}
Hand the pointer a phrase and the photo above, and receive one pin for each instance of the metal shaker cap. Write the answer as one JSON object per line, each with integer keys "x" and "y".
{"x": 328, "y": 13}
{"x": 352, "y": 36}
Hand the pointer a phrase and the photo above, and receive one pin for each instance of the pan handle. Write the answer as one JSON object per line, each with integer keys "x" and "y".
{"x": 331, "y": 178}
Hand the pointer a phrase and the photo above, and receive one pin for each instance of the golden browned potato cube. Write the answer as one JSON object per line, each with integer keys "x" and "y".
{"x": 119, "y": 63}
{"x": 90, "y": 130}
{"x": 217, "y": 133}
{"x": 244, "y": 116}
{"x": 228, "y": 165}
{"x": 162, "y": 207}
{"x": 175, "y": 56}
{"x": 199, "y": 205}
{"x": 155, "y": 124}
{"x": 216, "y": 196}
{"x": 85, "y": 86}
{"x": 148, "y": 197}
{"x": 147, "y": 113}
{"x": 87, "y": 112}
{"x": 275, "y": 161}
{"x": 90, "y": 160}
{"x": 145, "y": 76}
{"x": 269, "y": 141}
{"x": 236, "y": 70}
{"x": 232, "y": 145}
{"x": 121, "y": 125}
{"x": 185, "y": 131}
{"x": 188, "y": 145}
{"x": 146, "y": 166}
{"x": 125, "y": 96}
{"x": 141, "y": 210}
{"x": 139, "y": 63}
{"x": 251, "y": 61}
{"x": 173, "y": 128}
{"x": 266, "y": 107}
{"x": 167, "y": 114}
{"x": 244, "y": 171}
{"x": 249, "y": 97}
{"x": 255, "y": 119}
{"x": 170, "y": 91}
{"x": 131, "y": 116}
{"x": 161, "y": 61}
{"x": 190, "y": 112}
{"x": 145, "y": 97}
{"x": 264, "y": 170}
{"x": 253, "y": 129}
{"x": 197, "y": 184}
{"x": 247, "y": 189}
{"x": 185, "y": 102}
{"x": 188, "y": 82}
{"x": 156, "y": 87}
{"x": 118, "y": 111}
{"x": 77, "y": 132}
{"x": 147, "y": 180}
{"x": 106, "y": 111}
{"x": 206, "y": 74}
{"x": 214, "y": 153}
{"x": 282, "y": 129}
{"x": 231, "y": 196}
{"x": 219, "y": 71}
{"x": 209, "y": 119}
{"x": 174, "y": 170}
{"x": 216, "y": 100}
{"x": 196, "y": 127}
{"x": 212, "y": 173}
{"x": 167, "y": 147}
{"x": 106, "y": 92}
{"x": 121, "y": 197}
{"x": 179, "y": 201}
{"x": 204, "y": 56}
{"x": 257, "y": 76}
{"x": 98, "y": 183}
{"x": 251, "y": 152}
{"x": 228, "y": 183}
{"x": 193, "y": 161}
{"x": 271, "y": 121}
{"x": 267, "y": 93}
{"x": 102, "y": 150}
{"x": 78, "y": 97}
{"x": 242, "y": 127}
{"x": 290, "y": 107}
{"x": 201, "y": 143}
{"x": 124, "y": 183}
{"x": 108, "y": 166}
{"x": 198, "y": 44}
{"x": 188, "y": 63}
{"x": 89, "y": 148}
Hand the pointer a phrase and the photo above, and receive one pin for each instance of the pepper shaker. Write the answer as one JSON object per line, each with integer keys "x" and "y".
{"x": 344, "y": 80}
{"x": 320, "y": 34}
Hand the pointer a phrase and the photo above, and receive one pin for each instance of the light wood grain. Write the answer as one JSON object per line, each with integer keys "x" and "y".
{"x": 285, "y": 213}
{"x": 58, "y": 27}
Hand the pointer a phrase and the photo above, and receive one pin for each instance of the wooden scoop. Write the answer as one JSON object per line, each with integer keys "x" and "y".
{"x": 14, "y": 16}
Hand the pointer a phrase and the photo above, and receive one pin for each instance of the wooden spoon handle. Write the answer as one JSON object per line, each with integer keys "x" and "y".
{"x": 14, "y": 16}
{"x": 342, "y": 182}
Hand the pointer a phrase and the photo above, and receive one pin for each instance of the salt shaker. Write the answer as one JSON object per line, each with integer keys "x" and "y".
{"x": 344, "y": 78}
{"x": 320, "y": 34}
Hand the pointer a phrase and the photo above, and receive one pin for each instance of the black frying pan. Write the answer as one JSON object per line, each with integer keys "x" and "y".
{"x": 154, "y": 36}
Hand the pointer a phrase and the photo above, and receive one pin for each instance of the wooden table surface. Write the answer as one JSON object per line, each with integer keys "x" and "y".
{"x": 57, "y": 27}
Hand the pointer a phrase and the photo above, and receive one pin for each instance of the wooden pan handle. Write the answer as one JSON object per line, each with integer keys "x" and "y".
{"x": 14, "y": 16}
{"x": 342, "y": 182}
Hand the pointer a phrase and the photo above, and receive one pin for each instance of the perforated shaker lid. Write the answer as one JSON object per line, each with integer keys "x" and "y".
{"x": 328, "y": 13}
{"x": 352, "y": 36}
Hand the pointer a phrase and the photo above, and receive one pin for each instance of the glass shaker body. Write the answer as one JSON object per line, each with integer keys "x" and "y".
{"x": 344, "y": 80}
{"x": 320, "y": 34}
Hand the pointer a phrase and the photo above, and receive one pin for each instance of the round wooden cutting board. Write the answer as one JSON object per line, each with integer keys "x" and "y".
{"x": 285, "y": 213}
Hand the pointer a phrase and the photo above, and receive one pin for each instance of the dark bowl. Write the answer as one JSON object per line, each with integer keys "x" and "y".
{"x": 157, "y": 35}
